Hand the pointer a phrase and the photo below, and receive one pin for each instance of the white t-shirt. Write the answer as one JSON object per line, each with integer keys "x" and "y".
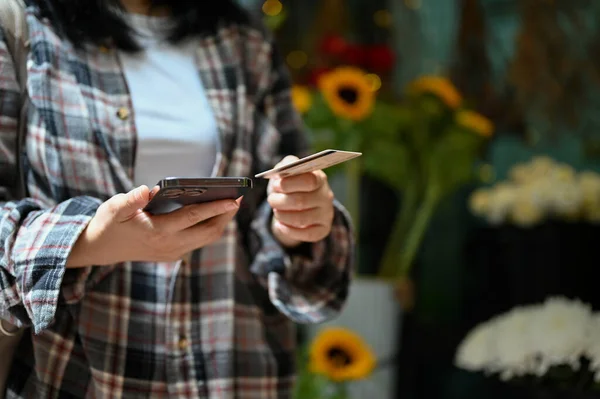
{"x": 176, "y": 129}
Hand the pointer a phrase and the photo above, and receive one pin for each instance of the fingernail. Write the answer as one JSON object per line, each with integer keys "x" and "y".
{"x": 137, "y": 193}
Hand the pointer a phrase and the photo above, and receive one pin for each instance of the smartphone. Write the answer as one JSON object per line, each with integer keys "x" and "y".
{"x": 176, "y": 192}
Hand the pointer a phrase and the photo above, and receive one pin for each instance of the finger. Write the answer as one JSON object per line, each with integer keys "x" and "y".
{"x": 308, "y": 234}
{"x": 126, "y": 206}
{"x": 191, "y": 215}
{"x": 303, "y": 219}
{"x": 294, "y": 201}
{"x": 205, "y": 233}
{"x": 304, "y": 183}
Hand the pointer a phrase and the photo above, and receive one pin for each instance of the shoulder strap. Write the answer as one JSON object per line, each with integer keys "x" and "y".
{"x": 14, "y": 22}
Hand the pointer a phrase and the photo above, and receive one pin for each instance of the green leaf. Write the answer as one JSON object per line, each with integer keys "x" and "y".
{"x": 310, "y": 386}
{"x": 451, "y": 160}
{"x": 349, "y": 137}
{"x": 322, "y": 139}
{"x": 383, "y": 124}
{"x": 320, "y": 116}
{"x": 388, "y": 162}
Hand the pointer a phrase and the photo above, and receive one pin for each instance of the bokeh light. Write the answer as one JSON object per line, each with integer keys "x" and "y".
{"x": 383, "y": 18}
{"x": 272, "y": 8}
{"x": 297, "y": 59}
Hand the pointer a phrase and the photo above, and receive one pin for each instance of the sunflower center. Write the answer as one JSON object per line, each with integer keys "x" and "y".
{"x": 348, "y": 94}
{"x": 339, "y": 357}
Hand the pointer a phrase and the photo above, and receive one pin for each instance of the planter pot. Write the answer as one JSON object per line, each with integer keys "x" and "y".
{"x": 477, "y": 385}
{"x": 536, "y": 392}
{"x": 373, "y": 312}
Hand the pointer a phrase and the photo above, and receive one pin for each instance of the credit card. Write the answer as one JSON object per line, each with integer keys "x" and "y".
{"x": 318, "y": 161}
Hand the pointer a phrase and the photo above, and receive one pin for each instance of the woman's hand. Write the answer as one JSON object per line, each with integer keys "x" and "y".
{"x": 120, "y": 231}
{"x": 302, "y": 207}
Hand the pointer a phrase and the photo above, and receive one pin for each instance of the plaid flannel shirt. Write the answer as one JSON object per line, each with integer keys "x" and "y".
{"x": 220, "y": 325}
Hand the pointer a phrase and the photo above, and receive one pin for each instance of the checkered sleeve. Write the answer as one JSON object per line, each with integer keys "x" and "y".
{"x": 309, "y": 284}
{"x": 35, "y": 238}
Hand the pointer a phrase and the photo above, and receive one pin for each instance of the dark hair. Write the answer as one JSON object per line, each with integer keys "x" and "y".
{"x": 100, "y": 22}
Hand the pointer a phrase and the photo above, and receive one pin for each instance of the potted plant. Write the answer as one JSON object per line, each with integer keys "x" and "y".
{"x": 544, "y": 350}
{"x": 424, "y": 145}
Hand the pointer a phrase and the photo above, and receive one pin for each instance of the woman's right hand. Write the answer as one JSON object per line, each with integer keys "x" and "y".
{"x": 120, "y": 231}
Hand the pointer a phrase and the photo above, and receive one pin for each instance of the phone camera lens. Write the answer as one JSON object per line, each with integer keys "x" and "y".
{"x": 173, "y": 193}
{"x": 195, "y": 192}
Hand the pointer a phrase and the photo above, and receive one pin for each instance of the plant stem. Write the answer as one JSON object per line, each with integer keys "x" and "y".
{"x": 393, "y": 248}
{"x": 353, "y": 174}
{"x": 341, "y": 391}
{"x": 417, "y": 232}
{"x": 353, "y": 142}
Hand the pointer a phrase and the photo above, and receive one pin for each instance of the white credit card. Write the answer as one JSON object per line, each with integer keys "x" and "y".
{"x": 318, "y": 161}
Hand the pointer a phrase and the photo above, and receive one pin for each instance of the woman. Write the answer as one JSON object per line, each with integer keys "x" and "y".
{"x": 197, "y": 303}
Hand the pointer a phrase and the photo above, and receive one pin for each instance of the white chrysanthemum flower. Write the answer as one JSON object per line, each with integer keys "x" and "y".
{"x": 513, "y": 346}
{"x": 502, "y": 198}
{"x": 542, "y": 163}
{"x": 541, "y": 192}
{"x": 537, "y": 190}
{"x": 474, "y": 352}
{"x": 567, "y": 199}
{"x": 521, "y": 174}
{"x": 592, "y": 350}
{"x": 479, "y": 202}
{"x": 541, "y": 167}
{"x": 589, "y": 184}
{"x": 526, "y": 211}
{"x": 560, "y": 331}
{"x": 562, "y": 172}
{"x": 529, "y": 340}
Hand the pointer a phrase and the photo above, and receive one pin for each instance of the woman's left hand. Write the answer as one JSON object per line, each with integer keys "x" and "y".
{"x": 302, "y": 207}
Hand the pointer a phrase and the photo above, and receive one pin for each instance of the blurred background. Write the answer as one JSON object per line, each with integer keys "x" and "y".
{"x": 476, "y": 202}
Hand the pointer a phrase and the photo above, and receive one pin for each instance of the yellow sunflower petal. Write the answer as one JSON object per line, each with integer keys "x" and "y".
{"x": 475, "y": 122}
{"x": 348, "y": 92}
{"x": 301, "y": 98}
{"x": 341, "y": 355}
{"x": 439, "y": 87}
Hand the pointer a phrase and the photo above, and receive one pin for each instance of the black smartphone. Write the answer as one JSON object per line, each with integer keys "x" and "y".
{"x": 177, "y": 192}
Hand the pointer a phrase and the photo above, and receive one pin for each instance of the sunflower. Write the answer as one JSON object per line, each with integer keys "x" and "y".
{"x": 439, "y": 87}
{"x": 301, "y": 98}
{"x": 475, "y": 122}
{"x": 341, "y": 355}
{"x": 349, "y": 92}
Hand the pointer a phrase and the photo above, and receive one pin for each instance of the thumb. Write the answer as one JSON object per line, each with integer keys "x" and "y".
{"x": 287, "y": 160}
{"x": 127, "y": 205}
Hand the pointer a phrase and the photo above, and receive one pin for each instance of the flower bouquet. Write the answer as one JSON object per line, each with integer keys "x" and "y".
{"x": 424, "y": 146}
{"x": 537, "y": 191}
{"x": 551, "y": 348}
{"x": 335, "y": 358}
